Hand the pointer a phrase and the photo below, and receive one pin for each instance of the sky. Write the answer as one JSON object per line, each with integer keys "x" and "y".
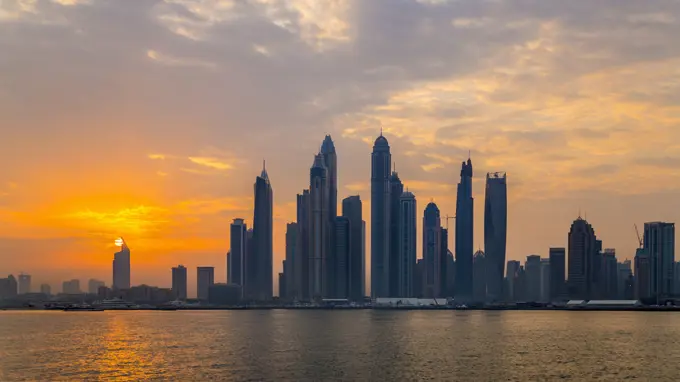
{"x": 150, "y": 119}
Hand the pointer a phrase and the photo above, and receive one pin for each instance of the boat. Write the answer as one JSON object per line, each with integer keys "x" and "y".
{"x": 116, "y": 304}
{"x": 82, "y": 308}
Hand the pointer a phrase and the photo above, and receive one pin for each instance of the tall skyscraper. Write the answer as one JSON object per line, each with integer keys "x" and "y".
{"x": 659, "y": 243}
{"x": 443, "y": 268}
{"x": 352, "y": 210}
{"x": 24, "y": 283}
{"x": 93, "y": 286}
{"x": 205, "y": 278}
{"x": 71, "y": 287}
{"x": 237, "y": 253}
{"x": 583, "y": 251}
{"x": 545, "y": 280}
{"x": 381, "y": 166}
{"x": 643, "y": 274}
{"x": 396, "y": 191}
{"x": 557, "y": 274}
{"x": 331, "y": 161}
{"x": 179, "y": 282}
{"x": 121, "y": 266}
{"x": 9, "y": 287}
{"x": 249, "y": 263}
{"x": 432, "y": 251}
{"x": 302, "y": 260}
{"x": 495, "y": 233}
{"x": 464, "y": 232}
{"x": 341, "y": 265}
{"x": 533, "y": 278}
{"x": 610, "y": 275}
{"x": 263, "y": 233}
{"x": 511, "y": 281}
{"x": 479, "y": 276}
{"x": 289, "y": 269}
{"x": 406, "y": 246}
{"x": 319, "y": 228}
{"x": 626, "y": 281}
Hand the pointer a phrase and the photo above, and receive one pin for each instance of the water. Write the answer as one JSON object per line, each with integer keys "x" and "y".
{"x": 339, "y": 345}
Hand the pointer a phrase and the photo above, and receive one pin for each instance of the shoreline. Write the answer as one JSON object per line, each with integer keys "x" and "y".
{"x": 213, "y": 308}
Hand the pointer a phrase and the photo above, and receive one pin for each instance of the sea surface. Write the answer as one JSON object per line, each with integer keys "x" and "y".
{"x": 365, "y": 345}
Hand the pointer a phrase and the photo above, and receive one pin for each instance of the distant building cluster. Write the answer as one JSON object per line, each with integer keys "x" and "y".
{"x": 325, "y": 252}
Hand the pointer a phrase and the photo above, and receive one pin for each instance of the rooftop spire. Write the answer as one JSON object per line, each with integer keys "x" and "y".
{"x": 264, "y": 174}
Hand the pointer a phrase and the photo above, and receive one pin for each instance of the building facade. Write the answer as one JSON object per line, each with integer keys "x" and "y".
{"x": 319, "y": 228}
{"x": 495, "y": 232}
{"x": 582, "y": 260}
{"x": 262, "y": 286}
{"x": 432, "y": 251}
{"x": 352, "y": 210}
{"x": 121, "y": 267}
{"x": 205, "y": 278}
{"x": 179, "y": 282}
{"x": 464, "y": 232}
{"x": 558, "y": 290}
{"x": 406, "y": 245}
{"x": 659, "y": 243}
{"x": 381, "y": 166}
{"x": 237, "y": 253}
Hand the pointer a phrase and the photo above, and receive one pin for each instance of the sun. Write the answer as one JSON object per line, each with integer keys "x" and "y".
{"x": 119, "y": 242}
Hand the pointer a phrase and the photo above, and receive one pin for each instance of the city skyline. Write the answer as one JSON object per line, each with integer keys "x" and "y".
{"x": 158, "y": 140}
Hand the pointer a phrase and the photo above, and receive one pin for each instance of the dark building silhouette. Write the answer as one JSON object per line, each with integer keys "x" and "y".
{"x": 495, "y": 233}
{"x": 9, "y": 288}
{"x": 406, "y": 246}
{"x": 381, "y": 165}
{"x": 263, "y": 230}
{"x": 396, "y": 190}
{"x": 558, "y": 290}
{"x": 583, "y": 254}
{"x": 179, "y": 282}
{"x": 419, "y": 279}
{"x": 341, "y": 266}
{"x": 302, "y": 247}
{"x": 352, "y": 211}
{"x": 532, "y": 268}
{"x": 511, "y": 289}
{"x": 610, "y": 275}
{"x": 289, "y": 268}
{"x": 121, "y": 267}
{"x": 225, "y": 294}
{"x": 643, "y": 274}
{"x": 432, "y": 251}
{"x": 249, "y": 286}
{"x": 319, "y": 235}
{"x": 237, "y": 253}
{"x": 479, "y": 276}
{"x": 450, "y": 274}
{"x": 283, "y": 292}
{"x": 659, "y": 244}
{"x": 331, "y": 163}
{"x": 205, "y": 278}
{"x": 464, "y": 232}
{"x": 443, "y": 263}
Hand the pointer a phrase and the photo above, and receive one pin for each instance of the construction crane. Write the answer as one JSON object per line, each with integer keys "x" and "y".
{"x": 637, "y": 232}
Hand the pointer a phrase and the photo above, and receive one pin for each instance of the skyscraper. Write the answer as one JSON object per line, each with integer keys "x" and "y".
{"x": 643, "y": 274}
{"x": 302, "y": 259}
{"x": 381, "y": 165}
{"x": 237, "y": 253}
{"x": 263, "y": 231}
{"x": 479, "y": 276}
{"x": 545, "y": 280}
{"x": 431, "y": 251}
{"x": 93, "y": 286}
{"x": 511, "y": 293}
{"x": 45, "y": 289}
{"x": 443, "y": 263}
{"x": 396, "y": 191}
{"x": 610, "y": 275}
{"x": 121, "y": 266}
{"x": 319, "y": 227}
{"x": 495, "y": 233}
{"x": 352, "y": 210}
{"x": 179, "y": 282}
{"x": 406, "y": 246}
{"x": 583, "y": 251}
{"x": 341, "y": 259}
{"x": 659, "y": 243}
{"x": 205, "y": 278}
{"x": 557, "y": 274}
{"x": 8, "y": 287}
{"x": 331, "y": 161}
{"x": 24, "y": 283}
{"x": 289, "y": 268}
{"x": 71, "y": 287}
{"x": 464, "y": 232}
{"x": 533, "y": 278}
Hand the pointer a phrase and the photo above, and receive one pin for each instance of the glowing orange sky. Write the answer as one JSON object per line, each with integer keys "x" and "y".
{"x": 149, "y": 120}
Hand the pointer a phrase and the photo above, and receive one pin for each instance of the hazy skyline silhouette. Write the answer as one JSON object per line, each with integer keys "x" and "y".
{"x": 149, "y": 120}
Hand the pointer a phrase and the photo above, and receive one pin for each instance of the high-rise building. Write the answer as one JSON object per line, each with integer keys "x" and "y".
{"x": 431, "y": 251}
{"x": 396, "y": 190}
{"x": 495, "y": 233}
{"x": 450, "y": 273}
{"x": 9, "y": 287}
{"x": 71, "y": 287}
{"x": 289, "y": 268}
{"x": 609, "y": 275}
{"x": 381, "y": 166}
{"x": 406, "y": 246}
{"x": 121, "y": 266}
{"x": 331, "y": 161}
{"x": 46, "y": 289}
{"x": 319, "y": 228}
{"x": 179, "y": 282}
{"x": 625, "y": 289}
{"x": 302, "y": 260}
{"x": 558, "y": 289}
{"x": 464, "y": 232}
{"x": 237, "y": 253}
{"x": 479, "y": 269}
{"x": 352, "y": 210}
{"x": 419, "y": 279}
{"x": 443, "y": 268}
{"x": 582, "y": 260}
{"x": 511, "y": 281}
{"x": 659, "y": 242}
{"x": 249, "y": 288}
{"x": 643, "y": 274}
{"x": 263, "y": 238}
{"x": 24, "y": 283}
{"x": 545, "y": 280}
{"x": 342, "y": 258}
{"x": 93, "y": 286}
{"x": 533, "y": 278}
{"x": 205, "y": 278}
{"x": 283, "y": 293}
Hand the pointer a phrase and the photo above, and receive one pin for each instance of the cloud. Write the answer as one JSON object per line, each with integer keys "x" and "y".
{"x": 156, "y": 156}
{"x": 211, "y": 162}
{"x": 169, "y": 60}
